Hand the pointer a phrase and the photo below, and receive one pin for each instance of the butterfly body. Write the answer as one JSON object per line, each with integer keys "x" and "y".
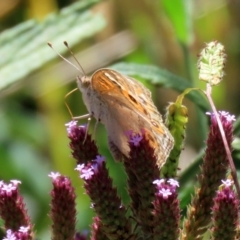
{"x": 123, "y": 104}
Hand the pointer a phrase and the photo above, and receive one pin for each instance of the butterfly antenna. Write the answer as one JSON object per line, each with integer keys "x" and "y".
{"x": 65, "y": 101}
{"x": 69, "y": 49}
{"x": 51, "y": 46}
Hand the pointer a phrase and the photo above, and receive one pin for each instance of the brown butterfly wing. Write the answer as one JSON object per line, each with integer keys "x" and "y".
{"x": 130, "y": 107}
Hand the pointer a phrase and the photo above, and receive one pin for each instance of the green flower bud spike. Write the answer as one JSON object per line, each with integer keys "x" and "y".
{"x": 176, "y": 120}
{"x": 211, "y": 63}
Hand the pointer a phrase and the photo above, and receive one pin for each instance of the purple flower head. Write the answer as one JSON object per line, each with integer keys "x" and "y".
{"x": 170, "y": 182}
{"x": 54, "y": 175}
{"x": 24, "y": 229}
{"x": 8, "y": 189}
{"x": 22, "y": 233}
{"x": 15, "y": 182}
{"x": 173, "y": 182}
{"x": 165, "y": 193}
{"x": 227, "y": 183}
{"x": 74, "y": 130}
{"x": 135, "y": 139}
{"x": 226, "y": 196}
{"x": 83, "y": 147}
{"x": 97, "y": 163}
{"x": 80, "y": 167}
{"x": 159, "y": 182}
{"x": 227, "y": 116}
{"x": 99, "y": 159}
{"x": 231, "y": 118}
{"x": 86, "y": 171}
{"x": 70, "y": 126}
{"x": 10, "y": 235}
{"x": 224, "y": 116}
{"x": 166, "y": 188}
{"x": 224, "y": 113}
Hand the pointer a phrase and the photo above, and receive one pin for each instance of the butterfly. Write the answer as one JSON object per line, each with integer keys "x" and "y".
{"x": 123, "y": 104}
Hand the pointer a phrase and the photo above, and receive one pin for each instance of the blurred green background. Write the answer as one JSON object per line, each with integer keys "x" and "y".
{"x": 34, "y": 81}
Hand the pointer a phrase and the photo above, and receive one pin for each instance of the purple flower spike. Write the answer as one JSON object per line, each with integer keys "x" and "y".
{"x": 63, "y": 211}
{"x": 12, "y": 202}
{"x": 225, "y": 213}
{"x": 22, "y": 234}
{"x": 83, "y": 147}
{"x": 166, "y": 210}
{"x": 142, "y": 170}
{"x": 214, "y": 169}
{"x": 105, "y": 201}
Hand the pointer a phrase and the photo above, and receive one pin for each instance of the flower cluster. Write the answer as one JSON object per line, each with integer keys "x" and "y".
{"x": 225, "y": 209}
{"x": 21, "y": 234}
{"x": 214, "y": 169}
{"x": 83, "y": 147}
{"x": 154, "y": 211}
{"x": 63, "y": 211}
{"x": 212, "y": 62}
{"x": 166, "y": 206}
{"x": 13, "y": 212}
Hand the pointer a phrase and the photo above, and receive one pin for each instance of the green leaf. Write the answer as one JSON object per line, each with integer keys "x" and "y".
{"x": 179, "y": 13}
{"x": 24, "y": 48}
{"x": 162, "y": 78}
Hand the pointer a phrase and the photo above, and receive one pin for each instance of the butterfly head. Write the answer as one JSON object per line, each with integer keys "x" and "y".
{"x": 83, "y": 82}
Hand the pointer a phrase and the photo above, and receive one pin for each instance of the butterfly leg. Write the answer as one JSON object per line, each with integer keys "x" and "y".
{"x": 88, "y": 124}
{"x": 83, "y": 116}
{"x": 88, "y": 116}
{"x": 95, "y": 129}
